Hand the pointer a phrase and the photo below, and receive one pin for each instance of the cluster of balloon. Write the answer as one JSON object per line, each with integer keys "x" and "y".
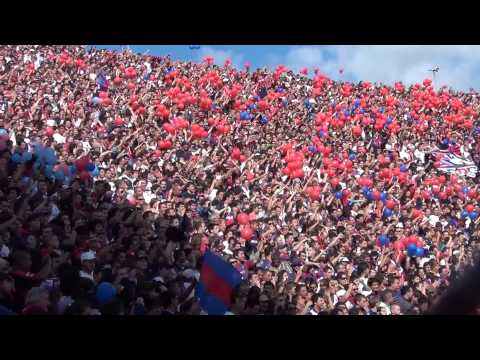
{"x": 164, "y": 144}
{"x": 86, "y": 169}
{"x": 64, "y": 59}
{"x": 23, "y": 157}
{"x": 180, "y": 123}
{"x": 469, "y": 212}
{"x": 294, "y": 168}
{"x": 237, "y": 155}
{"x": 104, "y": 99}
{"x": 198, "y": 132}
{"x": 221, "y": 128}
{"x": 232, "y": 92}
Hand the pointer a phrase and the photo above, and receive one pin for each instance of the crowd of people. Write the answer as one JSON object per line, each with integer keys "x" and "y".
{"x": 118, "y": 171}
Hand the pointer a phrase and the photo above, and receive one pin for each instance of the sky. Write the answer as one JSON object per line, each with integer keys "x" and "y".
{"x": 459, "y": 64}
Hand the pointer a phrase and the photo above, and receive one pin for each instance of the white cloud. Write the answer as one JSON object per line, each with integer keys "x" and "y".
{"x": 459, "y": 65}
{"x": 219, "y": 56}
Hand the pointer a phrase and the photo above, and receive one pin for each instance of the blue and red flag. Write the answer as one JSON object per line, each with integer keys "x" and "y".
{"x": 218, "y": 279}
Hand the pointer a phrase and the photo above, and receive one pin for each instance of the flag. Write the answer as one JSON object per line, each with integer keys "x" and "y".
{"x": 218, "y": 279}
{"x": 102, "y": 81}
{"x": 454, "y": 164}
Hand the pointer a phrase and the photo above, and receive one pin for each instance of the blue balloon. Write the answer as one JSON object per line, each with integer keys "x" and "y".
{"x": 389, "y": 120}
{"x": 59, "y": 175}
{"x": 384, "y": 240}
{"x": 464, "y": 214}
{"x": 412, "y": 249}
{"x": 369, "y": 195}
{"x": 465, "y": 189}
{"x": 351, "y": 157}
{"x": 321, "y": 133}
{"x": 49, "y": 156}
{"x": 284, "y": 102}
{"x": 264, "y": 120}
{"x": 357, "y": 102}
{"x": 473, "y": 215}
{"x": 383, "y": 196}
{"x": 90, "y": 167}
{"x": 27, "y": 156}
{"x": 403, "y": 168}
{"x": 365, "y": 190}
{"x": 307, "y": 104}
{"x": 72, "y": 169}
{"x": 95, "y": 172}
{"x": 445, "y": 141}
{"x": 96, "y": 100}
{"x": 49, "y": 171}
{"x": 244, "y": 115}
{"x": 381, "y": 109}
{"x": 338, "y": 195}
{"x": 312, "y": 148}
{"x": 17, "y": 158}
{"x": 420, "y": 252}
{"x": 105, "y": 293}
{"x": 387, "y": 212}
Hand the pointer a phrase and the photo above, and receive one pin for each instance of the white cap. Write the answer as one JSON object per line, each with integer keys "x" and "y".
{"x": 88, "y": 255}
{"x": 341, "y": 293}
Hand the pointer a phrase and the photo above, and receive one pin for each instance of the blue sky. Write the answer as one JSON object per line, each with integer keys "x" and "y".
{"x": 459, "y": 64}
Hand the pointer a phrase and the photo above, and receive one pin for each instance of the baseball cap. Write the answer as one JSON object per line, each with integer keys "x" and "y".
{"x": 341, "y": 293}
{"x": 87, "y": 256}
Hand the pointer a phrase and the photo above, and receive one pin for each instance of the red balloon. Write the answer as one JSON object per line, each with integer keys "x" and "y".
{"x": 295, "y": 165}
{"x": 442, "y": 179}
{"x": 243, "y": 219}
{"x": 376, "y": 195}
{"x": 298, "y": 173}
{"x": 357, "y": 131}
{"x": 242, "y": 158}
{"x": 117, "y": 81}
{"x": 399, "y": 246}
{"x": 435, "y": 189}
{"x": 286, "y": 171}
{"x": 472, "y": 193}
{"x": 84, "y": 175}
{"x": 390, "y": 204}
{"x": 50, "y": 131}
{"x": 334, "y": 182}
{"x": 425, "y": 195}
{"x": 469, "y": 208}
{"x": 442, "y": 195}
{"x": 246, "y": 233}
{"x": 169, "y": 128}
